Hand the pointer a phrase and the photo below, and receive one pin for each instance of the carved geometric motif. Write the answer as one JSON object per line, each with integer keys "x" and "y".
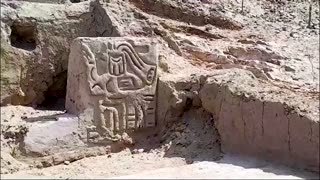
{"x": 122, "y": 75}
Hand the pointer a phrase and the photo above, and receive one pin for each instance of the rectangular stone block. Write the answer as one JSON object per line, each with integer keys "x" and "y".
{"x": 117, "y": 77}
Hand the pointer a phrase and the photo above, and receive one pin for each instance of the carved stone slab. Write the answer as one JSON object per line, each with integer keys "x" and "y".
{"x": 118, "y": 78}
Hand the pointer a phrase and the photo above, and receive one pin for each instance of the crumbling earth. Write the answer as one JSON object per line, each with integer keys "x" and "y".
{"x": 190, "y": 151}
{"x": 231, "y": 80}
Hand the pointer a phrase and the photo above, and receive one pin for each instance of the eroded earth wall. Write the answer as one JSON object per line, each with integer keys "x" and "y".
{"x": 35, "y": 44}
{"x": 263, "y": 122}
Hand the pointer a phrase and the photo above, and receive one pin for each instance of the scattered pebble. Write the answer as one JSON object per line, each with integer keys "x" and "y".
{"x": 294, "y": 34}
{"x": 137, "y": 151}
{"x": 289, "y": 69}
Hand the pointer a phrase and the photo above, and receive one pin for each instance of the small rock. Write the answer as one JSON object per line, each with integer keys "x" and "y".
{"x": 208, "y": 28}
{"x": 207, "y": 1}
{"x": 189, "y": 161}
{"x": 163, "y": 64}
{"x": 289, "y": 69}
{"x": 178, "y": 134}
{"x": 66, "y": 162}
{"x": 314, "y": 32}
{"x": 293, "y": 34}
{"x": 127, "y": 139}
{"x": 4, "y": 171}
{"x": 140, "y": 150}
{"x": 137, "y": 151}
{"x": 109, "y": 156}
{"x": 262, "y": 43}
{"x": 246, "y": 41}
{"x": 13, "y": 5}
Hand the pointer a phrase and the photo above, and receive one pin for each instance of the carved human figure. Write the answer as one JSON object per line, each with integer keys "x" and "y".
{"x": 124, "y": 73}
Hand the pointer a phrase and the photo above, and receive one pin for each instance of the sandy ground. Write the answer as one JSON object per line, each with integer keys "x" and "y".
{"x": 124, "y": 165}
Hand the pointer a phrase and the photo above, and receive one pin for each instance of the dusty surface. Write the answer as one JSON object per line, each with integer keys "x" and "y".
{"x": 229, "y": 167}
{"x": 122, "y": 163}
{"x": 125, "y": 165}
{"x": 189, "y": 140}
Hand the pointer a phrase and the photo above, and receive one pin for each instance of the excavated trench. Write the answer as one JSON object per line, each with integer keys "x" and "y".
{"x": 191, "y": 137}
{"x": 245, "y": 120}
{"x": 200, "y": 117}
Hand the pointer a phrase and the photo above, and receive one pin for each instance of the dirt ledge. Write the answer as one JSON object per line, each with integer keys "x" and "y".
{"x": 252, "y": 117}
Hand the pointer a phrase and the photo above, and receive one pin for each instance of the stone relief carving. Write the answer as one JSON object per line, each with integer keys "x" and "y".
{"x": 124, "y": 84}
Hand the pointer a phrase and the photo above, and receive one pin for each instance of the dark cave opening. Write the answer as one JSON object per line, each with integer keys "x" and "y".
{"x": 56, "y": 93}
{"x": 23, "y": 36}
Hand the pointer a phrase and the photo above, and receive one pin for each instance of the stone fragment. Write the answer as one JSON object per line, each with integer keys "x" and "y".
{"x": 289, "y": 69}
{"x": 116, "y": 77}
{"x": 49, "y": 137}
{"x": 71, "y": 156}
{"x": 137, "y": 151}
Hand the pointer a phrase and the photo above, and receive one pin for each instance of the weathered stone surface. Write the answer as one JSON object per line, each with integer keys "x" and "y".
{"x": 71, "y": 156}
{"x": 35, "y": 44}
{"x": 116, "y": 77}
{"x": 183, "y": 12}
{"x": 46, "y": 138}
